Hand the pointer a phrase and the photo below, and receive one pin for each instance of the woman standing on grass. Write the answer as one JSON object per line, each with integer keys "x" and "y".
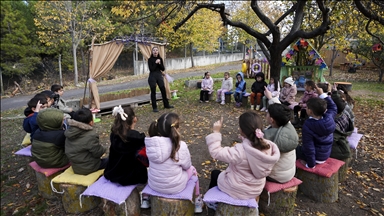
{"x": 156, "y": 68}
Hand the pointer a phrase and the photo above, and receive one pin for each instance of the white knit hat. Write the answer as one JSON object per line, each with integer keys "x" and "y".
{"x": 290, "y": 81}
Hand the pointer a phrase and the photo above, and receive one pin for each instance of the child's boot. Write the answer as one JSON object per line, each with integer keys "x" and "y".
{"x": 296, "y": 119}
{"x": 252, "y": 107}
{"x": 258, "y": 107}
{"x": 198, "y": 204}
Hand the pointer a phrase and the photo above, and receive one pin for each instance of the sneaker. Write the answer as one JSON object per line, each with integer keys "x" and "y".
{"x": 252, "y": 107}
{"x": 206, "y": 101}
{"x": 198, "y": 204}
{"x": 169, "y": 107}
{"x": 145, "y": 204}
{"x": 95, "y": 110}
{"x": 155, "y": 110}
{"x": 222, "y": 103}
{"x": 212, "y": 205}
{"x": 218, "y": 100}
{"x": 258, "y": 107}
{"x": 263, "y": 109}
{"x": 201, "y": 101}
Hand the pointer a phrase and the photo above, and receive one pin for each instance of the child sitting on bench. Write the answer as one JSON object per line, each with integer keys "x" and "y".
{"x": 285, "y": 136}
{"x": 82, "y": 144}
{"x": 226, "y": 86}
{"x": 317, "y": 132}
{"x": 206, "y": 87}
{"x": 37, "y": 103}
{"x": 123, "y": 165}
{"x": 258, "y": 90}
{"x": 241, "y": 87}
{"x": 169, "y": 159}
{"x": 49, "y": 140}
{"x": 250, "y": 162}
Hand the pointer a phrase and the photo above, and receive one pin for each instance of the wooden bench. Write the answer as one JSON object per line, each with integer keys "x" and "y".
{"x": 228, "y": 97}
{"x": 322, "y": 182}
{"x": 244, "y": 100}
{"x": 279, "y": 199}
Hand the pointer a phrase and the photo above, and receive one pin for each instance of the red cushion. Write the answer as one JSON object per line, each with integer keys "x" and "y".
{"x": 47, "y": 171}
{"x": 326, "y": 169}
{"x": 273, "y": 187}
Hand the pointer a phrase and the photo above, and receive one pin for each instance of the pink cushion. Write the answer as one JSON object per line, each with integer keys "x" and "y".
{"x": 326, "y": 169}
{"x": 273, "y": 187}
{"x": 47, "y": 171}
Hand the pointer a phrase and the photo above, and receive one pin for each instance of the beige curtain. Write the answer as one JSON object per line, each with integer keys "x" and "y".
{"x": 103, "y": 57}
{"x": 146, "y": 50}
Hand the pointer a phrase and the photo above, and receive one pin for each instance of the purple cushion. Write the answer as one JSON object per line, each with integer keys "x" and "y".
{"x": 47, "y": 171}
{"x": 25, "y": 151}
{"x": 215, "y": 195}
{"x": 106, "y": 189}
{"x": 354, "y": 139}
{"x": 186, "y": 194}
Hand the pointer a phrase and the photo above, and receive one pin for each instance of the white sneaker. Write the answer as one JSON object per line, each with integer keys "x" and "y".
{"x": 145, "y": 204}
{"x": 252, "y": 107}
{"x": 198, "y": 204}
{"x": 222, "y": 103}
{"x": 218, "y": 100}
{"x": 258, "y": 107}
{"x": 212, "y": 205}
{"x": 263, "y": 109}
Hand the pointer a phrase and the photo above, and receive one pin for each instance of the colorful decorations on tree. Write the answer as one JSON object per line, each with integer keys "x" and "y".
{"x": 303, "y": 45}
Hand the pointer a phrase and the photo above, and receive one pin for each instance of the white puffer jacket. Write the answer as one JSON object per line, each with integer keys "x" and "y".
{"x": 165, "y": 175}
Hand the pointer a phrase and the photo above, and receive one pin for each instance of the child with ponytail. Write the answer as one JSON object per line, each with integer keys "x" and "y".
{"x": 249, "y": 162}
{"x": 124, "y": 166}
{"x": 169, "y": 158}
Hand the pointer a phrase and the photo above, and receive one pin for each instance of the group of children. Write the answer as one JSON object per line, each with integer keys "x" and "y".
{"x": 264, "y": 154}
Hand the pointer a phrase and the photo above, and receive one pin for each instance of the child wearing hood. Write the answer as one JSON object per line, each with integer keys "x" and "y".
{"x": 241, "y": 86}
{"x": 170, "y": 165}
{"x": 288, "y": 93}
{"x": 226, "y": 86}
{"x": 250, "y": 162}
{"x": 258, "y": 90}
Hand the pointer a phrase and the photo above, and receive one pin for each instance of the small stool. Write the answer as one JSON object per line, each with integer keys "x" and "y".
{"x": 244, "y": 100}
{"x": 228, "y": 97}
{"x": 321, "y": 183}
{"x": 117, "y": 199}
{"x": 173, "y": 204}
{"x": 94, "y": 111}
{"x": 44, "y": 177}
{"x": 72, "y": 186}
{"x": 279, "y": 199}
{"x": 230, "y": 206}
{"x": 210, "y": 96}
{"x": 344, "y": 169}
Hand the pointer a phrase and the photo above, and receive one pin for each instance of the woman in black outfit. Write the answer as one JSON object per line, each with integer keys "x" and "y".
{"x": 156, "y": 68}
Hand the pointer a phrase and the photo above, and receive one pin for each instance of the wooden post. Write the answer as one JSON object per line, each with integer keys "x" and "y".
{"x": 71, "y": 199}
{"x": 44, "y": 185}
{"x": 319, "y": 188}
{"x": 164, "y": 207}
{"x": 344, "y": 169}
{"x": 131, "y": 206}
{"x": 224, "y": 209}
{"x": 280, "y": 203}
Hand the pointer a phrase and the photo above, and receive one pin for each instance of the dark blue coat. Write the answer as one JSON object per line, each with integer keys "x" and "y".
{"x": 30, "y": 124}
{"x": 317, "y": 135}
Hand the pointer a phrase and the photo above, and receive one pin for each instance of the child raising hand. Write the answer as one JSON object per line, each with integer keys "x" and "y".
{"x": 250, "y": 162}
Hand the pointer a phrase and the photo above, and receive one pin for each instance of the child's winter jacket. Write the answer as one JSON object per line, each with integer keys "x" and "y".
{"x": 207, "y": 83}
{"x": 227, "y": 84}
{"x": 258, "y": 87}
{"x": 307, "y": 95}
{"x": 242, "y": 85}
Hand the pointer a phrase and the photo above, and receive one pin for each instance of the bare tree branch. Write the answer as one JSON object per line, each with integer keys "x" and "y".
{"x": 368, "y": 13}
{"x": 282, "y": 17}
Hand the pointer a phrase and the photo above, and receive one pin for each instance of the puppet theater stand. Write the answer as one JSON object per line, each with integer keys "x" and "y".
{"x": 303, "y": 63}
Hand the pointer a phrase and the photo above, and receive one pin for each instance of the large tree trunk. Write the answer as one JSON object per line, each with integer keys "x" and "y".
{"x": 334, "y": 55}
{"x": 275, "y": 61}
{"x": 191, "y": 50}
{"x": 74, "y": 47}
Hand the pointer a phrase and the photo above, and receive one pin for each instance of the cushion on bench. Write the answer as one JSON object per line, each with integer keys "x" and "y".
{"x": 69, "y": 177}
{"x": 229, "y": 93}
{"x": 27, "y": 140}
{"x": 47, "y": 171}
{"x": 215, "y": 195}
{"x": 25, "y": 151}
{"x": 273, "y": 187}
{"x": 186, "y": 194}
{"x": 246, "y": 94}
{"x": 106, "y": 189}
{"x": 354, "y": 139}
{"x": 326, "y": 169}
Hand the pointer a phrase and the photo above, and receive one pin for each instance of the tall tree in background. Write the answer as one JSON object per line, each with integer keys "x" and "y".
{"x": 71, "y": 22}
{"x": 18, "y": 57}
{"x": 274, "y": 45}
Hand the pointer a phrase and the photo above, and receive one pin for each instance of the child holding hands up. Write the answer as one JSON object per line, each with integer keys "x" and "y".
{"x": 250, "y": 162}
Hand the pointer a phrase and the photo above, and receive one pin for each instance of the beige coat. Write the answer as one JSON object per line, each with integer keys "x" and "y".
{"x": 248, "y": 167}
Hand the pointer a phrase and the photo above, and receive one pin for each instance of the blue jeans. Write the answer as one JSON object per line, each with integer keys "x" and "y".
{"x": 238, "y": 96}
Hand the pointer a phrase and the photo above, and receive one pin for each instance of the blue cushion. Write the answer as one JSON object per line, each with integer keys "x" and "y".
{"x": 228, "y": 93}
